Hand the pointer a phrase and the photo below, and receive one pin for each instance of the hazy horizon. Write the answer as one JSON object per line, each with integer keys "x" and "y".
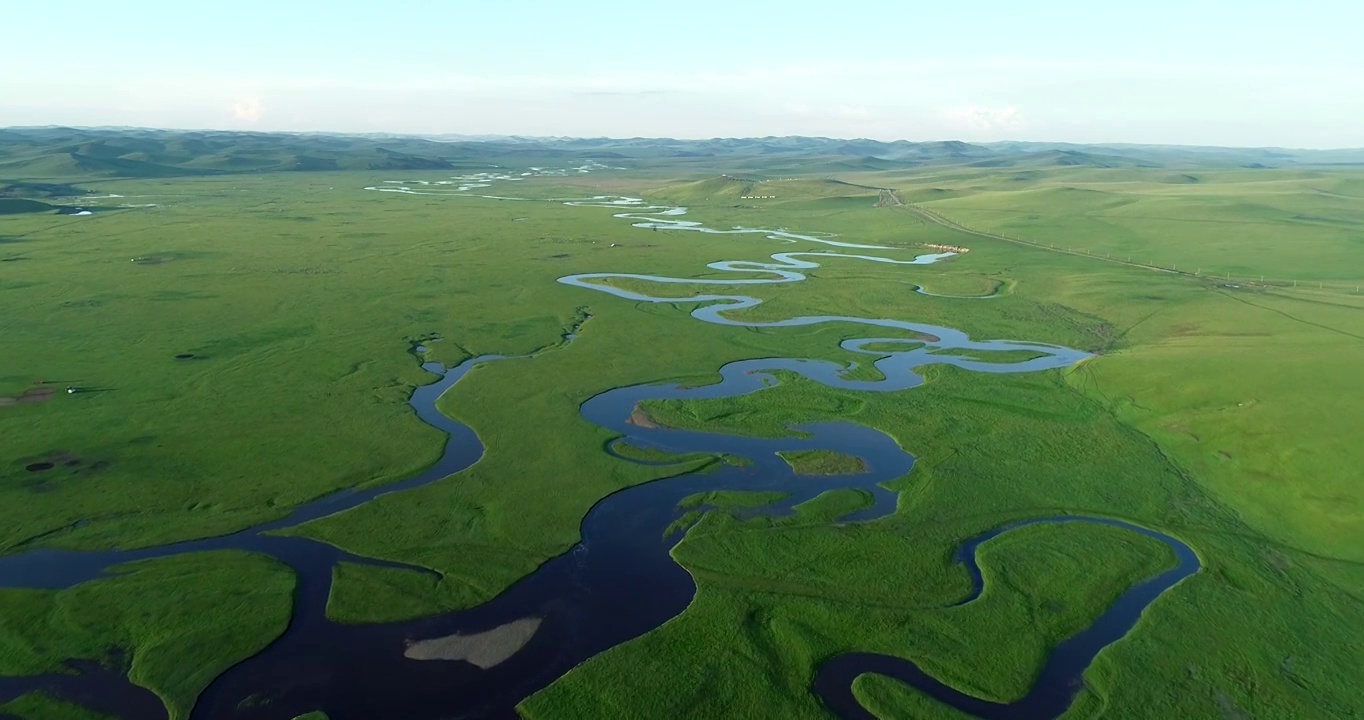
{"x": 1219, "y": 74}
{"x": 476, "y": 137}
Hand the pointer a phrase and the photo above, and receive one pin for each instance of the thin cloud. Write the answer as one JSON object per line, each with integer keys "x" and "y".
{"x": 984, "y": 118}
{"x": 622, "y": 93}
{"x": 247, "y": 110}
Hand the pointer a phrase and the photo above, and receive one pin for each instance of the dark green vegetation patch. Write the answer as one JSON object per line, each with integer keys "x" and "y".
{"x": 40, "y": 189}
{"x": 15, "y": 206}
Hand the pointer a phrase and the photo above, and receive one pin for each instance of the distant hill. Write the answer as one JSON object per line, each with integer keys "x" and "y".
{"x": 42, "y": 153}
{"x": 1064, "y": 158}
{"x": 59, "y": 153}
{"x": 1191, "y": 155}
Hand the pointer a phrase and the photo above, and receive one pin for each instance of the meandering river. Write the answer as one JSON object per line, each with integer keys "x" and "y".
{"x": 619, "y": 581}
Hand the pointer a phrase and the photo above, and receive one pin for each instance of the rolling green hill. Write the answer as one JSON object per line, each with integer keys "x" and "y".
{"x": 59, "y": 153}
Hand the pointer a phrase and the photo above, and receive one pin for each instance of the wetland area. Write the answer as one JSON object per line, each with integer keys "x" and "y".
{"x": 627, "y": 439}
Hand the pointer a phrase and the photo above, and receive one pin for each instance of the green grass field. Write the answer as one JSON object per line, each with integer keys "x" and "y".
{"x": 823, "y": 462}
{"x": 1222, "y": 415}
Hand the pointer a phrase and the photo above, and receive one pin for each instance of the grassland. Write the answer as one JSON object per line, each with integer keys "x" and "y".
{"x": 653, "y": 455}
{"x": 998, "y": 356}
{"x": 172, "y": 624}
{"x": 823, "y": 462}
{"x": 47, "y": 707}
{"x": 1231, "y": 380}
{"x": 1217, "y": 414}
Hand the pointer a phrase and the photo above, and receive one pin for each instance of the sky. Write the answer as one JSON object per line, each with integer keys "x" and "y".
{"x": 1194, "y": 72}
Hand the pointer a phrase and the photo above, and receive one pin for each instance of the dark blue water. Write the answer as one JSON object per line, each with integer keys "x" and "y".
{"x": 616, "y": 584}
